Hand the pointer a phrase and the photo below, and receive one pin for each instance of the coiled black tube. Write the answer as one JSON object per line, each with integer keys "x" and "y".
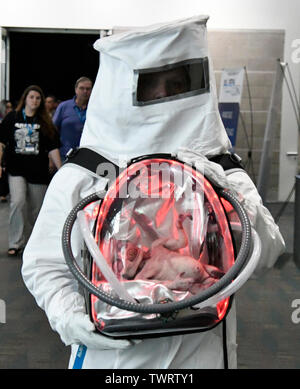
{"x": 163, "y": 307}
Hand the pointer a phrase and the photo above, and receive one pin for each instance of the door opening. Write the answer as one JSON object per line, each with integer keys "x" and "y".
{"x": 54, "y": 61}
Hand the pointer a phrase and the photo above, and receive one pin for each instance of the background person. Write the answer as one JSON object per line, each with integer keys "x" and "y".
{"x": 29, "y": 138}
{"x": 70, "y": 116}
{"x": 9, "y": 107}
{"x": 50, "y": 104}
{"x": 6, "y": 106}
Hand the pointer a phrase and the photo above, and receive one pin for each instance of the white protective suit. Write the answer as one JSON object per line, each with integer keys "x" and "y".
{"x": 115, "y": 127}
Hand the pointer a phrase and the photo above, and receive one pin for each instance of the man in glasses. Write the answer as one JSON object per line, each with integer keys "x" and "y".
{"x": 70, "y": 116}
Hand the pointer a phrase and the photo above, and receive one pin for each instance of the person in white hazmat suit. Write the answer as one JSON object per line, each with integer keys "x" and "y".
{"x": 123, "y": 122}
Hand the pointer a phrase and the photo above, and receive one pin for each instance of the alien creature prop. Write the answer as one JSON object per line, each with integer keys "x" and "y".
{"x": 164, "y": 263}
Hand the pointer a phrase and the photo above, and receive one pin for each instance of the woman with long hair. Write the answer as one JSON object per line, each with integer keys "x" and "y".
{"x": 29, "y": 139}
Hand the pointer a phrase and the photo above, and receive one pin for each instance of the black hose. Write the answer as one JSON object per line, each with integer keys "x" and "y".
{"x": 163, "y": 307}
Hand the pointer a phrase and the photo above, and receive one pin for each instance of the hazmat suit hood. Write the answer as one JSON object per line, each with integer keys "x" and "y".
{"x": 118, "y": 126}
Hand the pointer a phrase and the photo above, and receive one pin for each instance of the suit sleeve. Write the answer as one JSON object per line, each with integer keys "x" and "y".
{"x": 272, "y": 242}
{"x": 44, "y": 269}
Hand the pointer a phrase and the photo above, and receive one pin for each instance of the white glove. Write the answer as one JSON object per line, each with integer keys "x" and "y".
{"x": 77, "y": 328}
{"x": 213, "y": 171}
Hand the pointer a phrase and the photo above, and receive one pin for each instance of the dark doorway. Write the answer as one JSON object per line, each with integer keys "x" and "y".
{"x": 54, "y": 61}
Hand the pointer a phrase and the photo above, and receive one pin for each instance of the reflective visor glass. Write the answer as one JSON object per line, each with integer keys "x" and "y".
{"x": 171, "y": 82}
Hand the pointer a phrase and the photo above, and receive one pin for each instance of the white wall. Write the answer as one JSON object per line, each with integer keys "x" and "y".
{"x": 229, "y": 14}
{"x": 266, "y": 14}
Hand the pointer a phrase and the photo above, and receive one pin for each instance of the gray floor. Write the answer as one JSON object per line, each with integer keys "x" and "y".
{"x": 267, "y": 336}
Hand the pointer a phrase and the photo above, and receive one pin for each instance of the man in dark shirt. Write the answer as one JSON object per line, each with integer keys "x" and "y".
{"x": 70, "y": 116}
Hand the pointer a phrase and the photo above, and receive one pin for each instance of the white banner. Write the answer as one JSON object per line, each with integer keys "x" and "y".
{"x": 231, "y": 86}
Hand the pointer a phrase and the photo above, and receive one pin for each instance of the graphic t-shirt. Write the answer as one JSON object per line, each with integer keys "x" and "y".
{"x": 27, "y": 148}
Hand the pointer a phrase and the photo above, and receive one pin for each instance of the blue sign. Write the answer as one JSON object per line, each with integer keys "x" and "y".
{"x": 230, "y": 116}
